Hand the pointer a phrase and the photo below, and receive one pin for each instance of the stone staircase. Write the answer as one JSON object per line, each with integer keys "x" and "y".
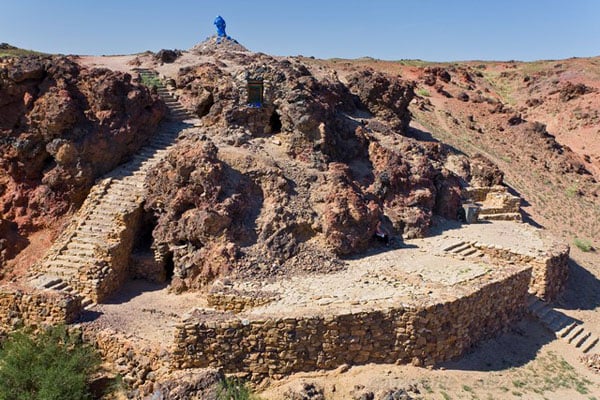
{"x": 564, "y": 327}
{"x": 463, "y": 250}
{"x": 176, "y": 110}
{"x": 91, "y": 257}
{"x": 495, "y": 203}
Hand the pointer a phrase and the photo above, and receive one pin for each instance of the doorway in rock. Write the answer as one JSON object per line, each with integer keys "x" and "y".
{"x": 255, "y": 92}
{"x": 275, "y": 122}
{"x": 146, "y": 263}
{"x": 169, "y": 266}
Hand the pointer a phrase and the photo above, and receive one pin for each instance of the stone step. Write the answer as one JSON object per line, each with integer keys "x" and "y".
{"x": 558, "y": 323}
{"x": 461, "y": 248}
{"x": 93, "y": 229}
{"x": 52, "y": 283}
{"x": 542, "y": 312}
{"x": 120, "y": 197}
{"x": 77, "y": 245}
{"x": 470, "y": 252}
{"x": 575, "y": 333}
{"x": 120, "y": 203}
{"x": 127, "y": 185}
{"x": 94, "y": 236}
{"x": 81, "y": 252}
{"x": 102, "y": 213}
{"x": 98, "y": 220}
{"x": 67, "y": 289}
{"x": 536, "y": 306}
{"x": 83, "y": 237}
{"x": 60, "y": 286}
{"x": 122, "y": 185}
{"x": 74, "y": 259}
{"x": 566, "y": 330}
{"x": 501, "y": 217}
{"x": 87, "y": 303}
{"x": 61, "y": 268}
{"x": 582, "y": 338}
{"x": 592, "y": 342}
{"x": 453, "y": 246}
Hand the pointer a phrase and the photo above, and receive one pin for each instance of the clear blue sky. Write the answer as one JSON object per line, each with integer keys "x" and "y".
{"x": 434, "y": 30}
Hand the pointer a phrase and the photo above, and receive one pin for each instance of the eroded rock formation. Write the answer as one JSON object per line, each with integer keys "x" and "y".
{"x": 61, "y": 127}
{"x": 307, "y": 176}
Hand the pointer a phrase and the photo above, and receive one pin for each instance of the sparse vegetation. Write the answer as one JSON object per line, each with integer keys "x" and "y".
{"x": 234, "y": 389}
{"x": 51, "y": 365}
{"x": 583, "y": 245}
{"x": 7, "y": 50}
{"x": 445, "y": 395}
{"x": 572, "y": 191}
{"x": 423, "y": 92}
{"x": 150, "y": 81}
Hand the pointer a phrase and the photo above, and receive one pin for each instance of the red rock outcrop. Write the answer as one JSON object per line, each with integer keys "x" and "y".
{"x": 290, "y": 185}
{"x": 62, "y": 126}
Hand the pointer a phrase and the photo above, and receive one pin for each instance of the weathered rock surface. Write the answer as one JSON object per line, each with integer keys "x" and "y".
{"x": 11, "y": 242}
{"x": 307, "y": 176}
{"x": 61, "y": 127}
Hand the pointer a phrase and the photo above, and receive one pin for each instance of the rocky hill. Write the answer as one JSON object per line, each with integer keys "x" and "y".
{"x": 306, "y": 177}
{"x": 537, "y": 121}
{"x": 61, "y": 127}
{"x": 290, "y": 167}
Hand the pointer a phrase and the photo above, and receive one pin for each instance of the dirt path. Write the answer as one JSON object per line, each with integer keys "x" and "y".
{"x": 146, "y": 310}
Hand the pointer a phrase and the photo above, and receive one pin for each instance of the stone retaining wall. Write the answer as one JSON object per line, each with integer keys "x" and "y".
{"x": 549, "y": 271}
{"x": 277, "y": 346}
{"x": 108, "y": 276}
{"x": 237, "y": 301}
{"x": 139, "y": 363}
{"x": 19, "y": 308}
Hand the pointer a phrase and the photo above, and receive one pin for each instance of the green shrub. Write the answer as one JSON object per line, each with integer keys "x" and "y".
{"x": 234, "y": 389}
{"x": 423, "y": 92}
{"x": 150, "y": 81}
{"x": 52, "y": 365}
{"x": 583, "y": 245}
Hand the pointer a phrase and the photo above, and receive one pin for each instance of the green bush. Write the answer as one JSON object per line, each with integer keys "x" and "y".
{"x": 583, "y": 245}
{"x": 423, "y": 92}
{"x": 52, "y": 365}
{"x": 234, "y": 389}
{"x": 150, "y": 81}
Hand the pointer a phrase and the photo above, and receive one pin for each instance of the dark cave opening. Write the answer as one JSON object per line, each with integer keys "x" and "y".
{"x": 169, "y": 266}
{"x": 275, "y": 122}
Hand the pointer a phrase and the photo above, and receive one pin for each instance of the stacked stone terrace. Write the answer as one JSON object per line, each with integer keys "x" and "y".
{"x": 424, "y": 303}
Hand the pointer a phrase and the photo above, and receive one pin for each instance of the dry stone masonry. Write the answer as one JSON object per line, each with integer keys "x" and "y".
{"x": 26, "y": 307}
{"x": 276, "y": 345}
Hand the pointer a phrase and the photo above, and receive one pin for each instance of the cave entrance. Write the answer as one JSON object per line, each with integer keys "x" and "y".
{"x": 145, "y": 263}
{"x": 169, "y": 266}
{"x": 256, "y": 90}
{"x": 275, "y": 122}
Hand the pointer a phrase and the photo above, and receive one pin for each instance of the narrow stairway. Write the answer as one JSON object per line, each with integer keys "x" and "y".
{"x": 90, "y": 258}
{"x": 463, "y": 250}
{"x": 177, "y": 111}
{"x": 564, "y": 327}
